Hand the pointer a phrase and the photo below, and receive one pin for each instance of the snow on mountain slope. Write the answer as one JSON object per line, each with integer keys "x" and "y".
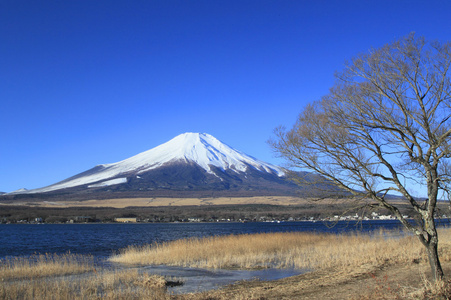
{"x": 19, "y": 191}
{"x": 109, "y": 182}
{"x": 199, "y": 148}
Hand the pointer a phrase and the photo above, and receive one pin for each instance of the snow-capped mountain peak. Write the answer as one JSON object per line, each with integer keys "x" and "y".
{"x": 200, "y": 149}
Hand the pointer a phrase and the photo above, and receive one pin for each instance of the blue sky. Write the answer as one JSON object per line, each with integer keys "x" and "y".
{"x": 91, "y": 82}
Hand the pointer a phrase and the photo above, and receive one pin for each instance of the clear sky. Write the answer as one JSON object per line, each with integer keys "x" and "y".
{"x": 91, "y": 82}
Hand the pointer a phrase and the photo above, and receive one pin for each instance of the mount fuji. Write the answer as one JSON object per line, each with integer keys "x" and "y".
{"x": 189, "y": 165}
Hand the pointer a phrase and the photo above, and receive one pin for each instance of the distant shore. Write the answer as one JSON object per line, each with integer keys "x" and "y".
{"x": 148, "y": 210}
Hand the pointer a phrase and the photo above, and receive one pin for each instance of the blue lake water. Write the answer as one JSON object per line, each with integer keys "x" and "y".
{"x": 101, "y": 240}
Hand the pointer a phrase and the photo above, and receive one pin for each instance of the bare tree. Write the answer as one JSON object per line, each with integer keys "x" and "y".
{"x": 383, "y": 129}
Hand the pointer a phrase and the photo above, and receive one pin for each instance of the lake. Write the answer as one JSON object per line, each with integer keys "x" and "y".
{"x": 102, "y": 240}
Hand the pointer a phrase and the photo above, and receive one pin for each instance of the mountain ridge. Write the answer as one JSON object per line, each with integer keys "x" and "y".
{"x": 188, "y": 163}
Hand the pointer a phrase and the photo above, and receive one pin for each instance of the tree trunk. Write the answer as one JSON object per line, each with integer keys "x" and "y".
{"x": 436, "y": 268}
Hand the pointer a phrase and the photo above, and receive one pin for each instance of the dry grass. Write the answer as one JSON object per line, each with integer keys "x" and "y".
{"x": 128, "y": 284}
{"x": 70, "y": 276}
{"x": 280, "y": 250}
{"x": 44, "y": 265}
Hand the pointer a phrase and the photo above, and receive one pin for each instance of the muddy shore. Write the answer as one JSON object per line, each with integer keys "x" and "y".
{"x": 407, "y": 281}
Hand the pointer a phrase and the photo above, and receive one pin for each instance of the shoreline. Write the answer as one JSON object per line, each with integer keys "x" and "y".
{"x": 385, "y": 281}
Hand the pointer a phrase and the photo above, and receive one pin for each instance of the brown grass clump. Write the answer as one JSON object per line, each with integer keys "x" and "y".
{"x": 438, "y": 290}
{"x": 42, "y": 265}
{"x": 153, "y": 282}
{"x": 280, "y": 250}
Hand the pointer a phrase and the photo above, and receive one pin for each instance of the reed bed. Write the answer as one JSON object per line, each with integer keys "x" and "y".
{"x": 281, "y": 250}
{"x": 43, "y": 265}
{"x": 129, "y": 284}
